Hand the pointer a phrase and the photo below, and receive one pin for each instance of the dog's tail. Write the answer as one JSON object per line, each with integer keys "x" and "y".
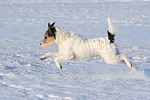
{"x": 111, "y": 31}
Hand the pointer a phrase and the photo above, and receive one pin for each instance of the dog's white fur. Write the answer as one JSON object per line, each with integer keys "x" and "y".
{"x": 76, "y": 47}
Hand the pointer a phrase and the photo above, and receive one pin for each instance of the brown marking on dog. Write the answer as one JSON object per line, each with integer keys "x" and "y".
{"x": 61, "y": 67}
{"x": 48, "y": 39}
{"x": 42, "y": 58}
{"x": 131, "y": 64}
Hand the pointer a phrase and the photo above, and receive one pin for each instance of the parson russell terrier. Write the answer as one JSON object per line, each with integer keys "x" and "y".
{"x": 76, "y": 47}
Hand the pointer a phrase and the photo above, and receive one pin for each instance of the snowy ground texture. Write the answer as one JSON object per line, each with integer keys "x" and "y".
{"x": 23, "y": 24}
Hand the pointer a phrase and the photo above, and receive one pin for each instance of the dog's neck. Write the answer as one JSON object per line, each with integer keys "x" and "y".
{"x": 62, "y": 34}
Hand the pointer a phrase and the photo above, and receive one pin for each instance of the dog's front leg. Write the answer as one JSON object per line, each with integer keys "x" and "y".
{"x": 63, "y": 58}
{"x": 49, "y": 54}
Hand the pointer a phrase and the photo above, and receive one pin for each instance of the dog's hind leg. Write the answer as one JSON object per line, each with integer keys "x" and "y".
{"x": 63, "y": 58}
{"x": 127, "y": 62}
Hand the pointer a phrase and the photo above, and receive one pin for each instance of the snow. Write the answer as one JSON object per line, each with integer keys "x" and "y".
{"x": 23, "y": 24}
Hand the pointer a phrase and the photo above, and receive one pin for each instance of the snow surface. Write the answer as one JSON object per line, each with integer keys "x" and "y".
{"x": 23, "y": 24}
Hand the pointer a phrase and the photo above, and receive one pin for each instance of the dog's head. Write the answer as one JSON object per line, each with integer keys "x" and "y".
{"x": 49, "y": 36}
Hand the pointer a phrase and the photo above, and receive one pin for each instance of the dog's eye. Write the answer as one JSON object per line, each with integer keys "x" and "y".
{"x": 45, "y": 37}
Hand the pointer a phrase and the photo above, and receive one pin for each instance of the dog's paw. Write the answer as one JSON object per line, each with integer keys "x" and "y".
{"x": 134, "y": 68}
{"x": 42, "y": 58}
{"x": 60, "y": 67}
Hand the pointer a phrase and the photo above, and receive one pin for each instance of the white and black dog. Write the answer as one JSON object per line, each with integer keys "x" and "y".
{"x": 76, "y": 47}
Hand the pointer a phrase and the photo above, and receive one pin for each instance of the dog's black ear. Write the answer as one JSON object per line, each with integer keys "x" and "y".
{"x": 49, "y": 27}
{"x": 52, "y": 24}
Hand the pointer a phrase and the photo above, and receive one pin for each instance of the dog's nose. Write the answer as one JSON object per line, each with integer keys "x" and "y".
{"x": 40, "y": 43}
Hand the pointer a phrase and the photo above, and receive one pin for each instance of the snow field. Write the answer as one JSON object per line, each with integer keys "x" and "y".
{"x": 23, "y": 76}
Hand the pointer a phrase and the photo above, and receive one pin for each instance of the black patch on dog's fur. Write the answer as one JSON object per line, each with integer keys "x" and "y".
{"x": 111, "y": 37}
{"x": 51, "y": 32}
